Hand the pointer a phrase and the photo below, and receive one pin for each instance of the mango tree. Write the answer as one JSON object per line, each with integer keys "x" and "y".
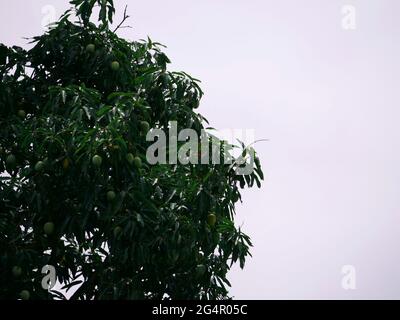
{"x": 76, "y": 191}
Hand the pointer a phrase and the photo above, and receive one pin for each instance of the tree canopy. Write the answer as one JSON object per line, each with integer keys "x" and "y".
{"x": 76, "y": 191}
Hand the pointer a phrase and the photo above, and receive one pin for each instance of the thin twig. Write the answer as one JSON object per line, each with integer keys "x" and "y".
{"x": 123, "y": 20}
{"x": 125, "y": 27}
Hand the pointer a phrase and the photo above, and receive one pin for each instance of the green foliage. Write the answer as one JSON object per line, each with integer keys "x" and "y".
{"x": 76, "y": 191}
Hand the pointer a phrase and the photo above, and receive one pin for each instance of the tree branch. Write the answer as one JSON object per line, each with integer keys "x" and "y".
{"x": 123, "y": 20}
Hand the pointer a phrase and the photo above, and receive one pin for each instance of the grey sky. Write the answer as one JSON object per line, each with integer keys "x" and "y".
{"x": 328, "y": 101}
